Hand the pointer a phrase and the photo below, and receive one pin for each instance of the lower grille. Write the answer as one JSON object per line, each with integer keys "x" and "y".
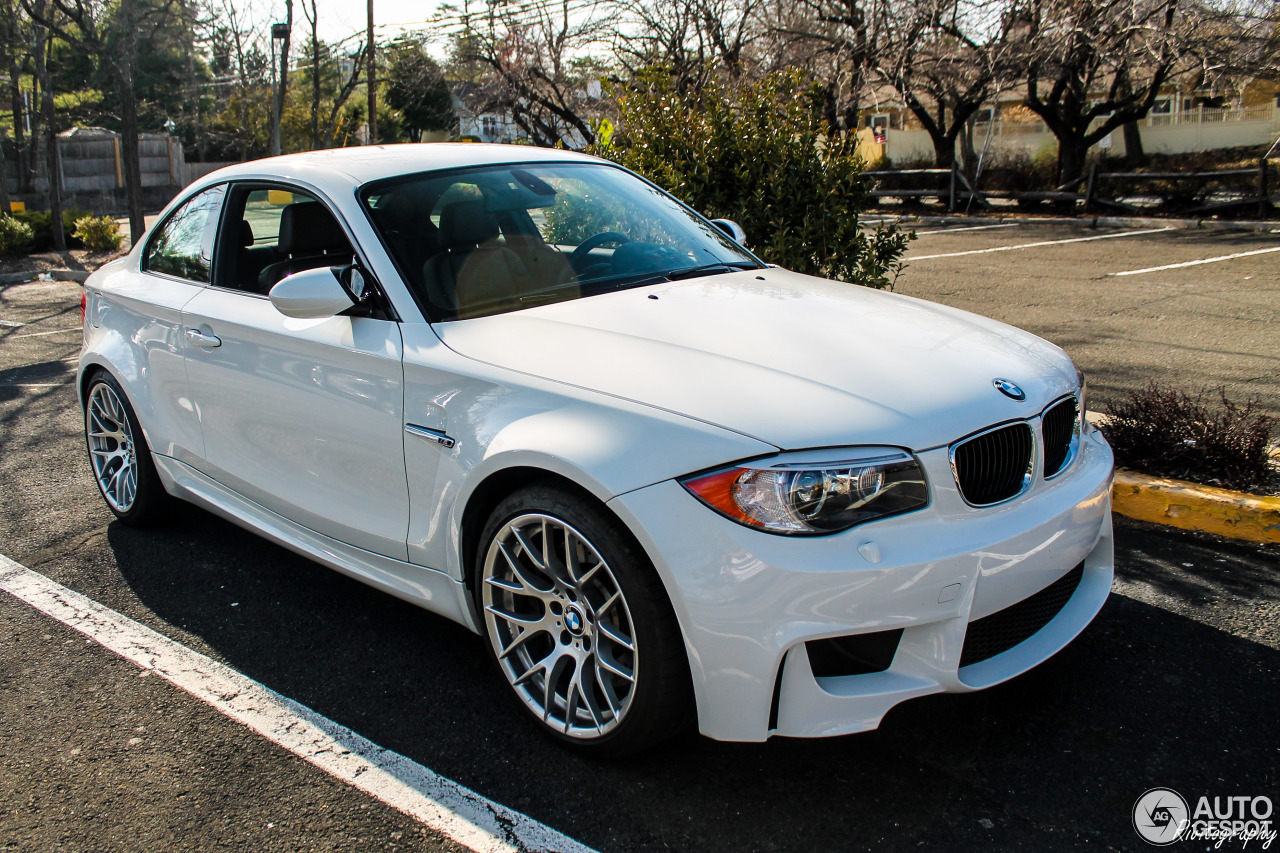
{"x": 1004, "y": 629}
{"x": 994, "y": 466}
{"x": 1059, "y": 428}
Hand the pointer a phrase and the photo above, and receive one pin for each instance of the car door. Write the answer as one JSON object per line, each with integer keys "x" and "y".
{"x": 146, "y": 312}
{"x": 303, "y": 417}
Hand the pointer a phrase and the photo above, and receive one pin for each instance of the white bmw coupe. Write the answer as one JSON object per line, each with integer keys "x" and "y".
{"x": 533, "y": 393}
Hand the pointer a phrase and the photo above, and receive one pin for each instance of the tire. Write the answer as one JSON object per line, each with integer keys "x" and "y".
{"x": 119, "y": 457}
{"x": 589, "y": 646}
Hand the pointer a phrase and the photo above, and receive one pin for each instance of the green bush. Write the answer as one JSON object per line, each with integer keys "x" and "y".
{"x": 41, "y": 226}
{"x": 762, "y": 156}
{"x": 16, "y": 236}
{"x": 98, "y": 233}
{"x": 1170, "y": 433}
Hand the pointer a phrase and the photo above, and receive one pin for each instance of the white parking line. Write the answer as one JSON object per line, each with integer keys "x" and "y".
{"x": 1041, "y": 243}
{"x": 967, "y": 228}
{"x": 11, "y": 324}
{"x": 42, "y": 334}
{"x": 441, "y": 804}
{"x": 1197, "y": 263}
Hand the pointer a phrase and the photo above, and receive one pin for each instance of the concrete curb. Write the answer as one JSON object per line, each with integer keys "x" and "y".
{"x": 1085, "y": 221}
{"x": 34, "y": 275}
{"x": 1190, "y": 506}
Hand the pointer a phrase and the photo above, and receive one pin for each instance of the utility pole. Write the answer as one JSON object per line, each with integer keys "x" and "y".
{"x": 373, "y": 83}
{"x": 281, "y": 33}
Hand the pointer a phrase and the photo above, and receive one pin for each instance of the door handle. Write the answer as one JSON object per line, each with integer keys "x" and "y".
{"x": 200, "y": 339}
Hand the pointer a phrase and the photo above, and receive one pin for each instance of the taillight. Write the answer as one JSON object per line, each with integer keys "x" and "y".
{"x": 84, "y": 303}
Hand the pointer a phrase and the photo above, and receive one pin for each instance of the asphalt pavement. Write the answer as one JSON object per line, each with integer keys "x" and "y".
{"x": 1173, "y": 685}
{"x": 1203, "y": 326}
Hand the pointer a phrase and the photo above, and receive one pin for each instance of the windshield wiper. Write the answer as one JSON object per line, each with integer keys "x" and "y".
{"x": 710, "y": 269}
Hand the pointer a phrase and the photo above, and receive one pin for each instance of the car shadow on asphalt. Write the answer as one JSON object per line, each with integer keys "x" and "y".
{"x": 1053, "y": 759}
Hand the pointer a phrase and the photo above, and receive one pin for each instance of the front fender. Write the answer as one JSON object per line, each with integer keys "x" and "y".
{"x": 500, "y": 420}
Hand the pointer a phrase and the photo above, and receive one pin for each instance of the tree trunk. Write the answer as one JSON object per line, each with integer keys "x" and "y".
{"x": 5, "y": 207}
{"x": 968, "y": 151}
{"x": 315, "y": 87}
{"x": 371, "y": 56}
{"x": 1133, "y": 153}
{"x": 130, "y": 155}
{"x": 19, "y": 132}
{"x": 944, "y": 150}
{"x": 1072, "y": 153}
{"x": 50, "y": 140}
{"x": 125, "y": 67}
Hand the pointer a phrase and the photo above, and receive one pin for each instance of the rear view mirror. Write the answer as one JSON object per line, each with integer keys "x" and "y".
{"x": 313, "y": 294}
{"x": 733, "y": 229}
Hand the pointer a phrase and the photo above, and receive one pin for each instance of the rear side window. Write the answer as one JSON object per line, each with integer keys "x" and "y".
{"x": 183, "y": 246}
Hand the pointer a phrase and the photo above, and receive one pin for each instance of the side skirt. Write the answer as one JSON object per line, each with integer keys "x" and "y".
{"x": 430, "y": 589}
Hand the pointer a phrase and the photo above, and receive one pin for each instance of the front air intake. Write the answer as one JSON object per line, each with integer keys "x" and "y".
{"x": 994, "y": 466}
{"x": 1004, "y": 629}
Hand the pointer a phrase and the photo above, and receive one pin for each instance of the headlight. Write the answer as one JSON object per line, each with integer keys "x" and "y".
{"x": 812, "y": 493}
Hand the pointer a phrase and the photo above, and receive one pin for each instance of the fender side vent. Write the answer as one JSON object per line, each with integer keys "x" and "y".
{"x": 859, "y": 654}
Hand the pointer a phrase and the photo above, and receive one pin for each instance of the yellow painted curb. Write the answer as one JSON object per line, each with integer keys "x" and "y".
{"x": 1195, "y": 507}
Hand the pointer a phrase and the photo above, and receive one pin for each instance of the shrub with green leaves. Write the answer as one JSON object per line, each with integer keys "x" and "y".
{"x": 98, "y": 233}
{"x": 41, "y": 222}
{"x": 762, "y": 156}
{"x": 1170, "y": 433}
{"x": 16, "y": 236}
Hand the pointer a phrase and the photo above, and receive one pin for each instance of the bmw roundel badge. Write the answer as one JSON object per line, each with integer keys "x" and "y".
{"x": 1007, "y": 388}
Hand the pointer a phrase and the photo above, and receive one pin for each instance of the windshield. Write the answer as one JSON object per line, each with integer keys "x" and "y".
{"x": 473, "y": 242}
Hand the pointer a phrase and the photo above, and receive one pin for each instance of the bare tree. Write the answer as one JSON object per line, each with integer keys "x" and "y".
{"x": 838, "y": 42}
{"x": 536, "y": 56}
{"x": 1091, "y": 66}
{"x": 945, "y": 58}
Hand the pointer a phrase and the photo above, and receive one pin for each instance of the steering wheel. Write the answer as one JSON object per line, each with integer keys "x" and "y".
{"x": 594, "y": 241}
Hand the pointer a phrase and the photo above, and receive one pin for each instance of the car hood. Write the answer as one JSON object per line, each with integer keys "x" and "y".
{"x": 791, "y": 360}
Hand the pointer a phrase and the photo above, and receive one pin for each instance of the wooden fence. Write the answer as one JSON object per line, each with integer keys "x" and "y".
{"x": 1098, "y": 190}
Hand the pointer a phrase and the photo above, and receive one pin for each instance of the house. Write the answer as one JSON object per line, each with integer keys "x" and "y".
{"x": 1182, "y": 120}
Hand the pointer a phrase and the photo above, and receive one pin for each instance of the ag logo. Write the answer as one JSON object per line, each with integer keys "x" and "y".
{"x": 1160, "y": 816}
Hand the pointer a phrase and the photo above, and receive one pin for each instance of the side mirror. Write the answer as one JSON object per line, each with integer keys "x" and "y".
{"x": 312, "y": 294}
{"x": 733, "y": 229}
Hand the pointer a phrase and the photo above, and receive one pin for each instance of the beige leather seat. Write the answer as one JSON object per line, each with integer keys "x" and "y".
{"x": 472, "y": 274}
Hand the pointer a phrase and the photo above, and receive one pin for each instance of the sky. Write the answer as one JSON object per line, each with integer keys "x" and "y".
{"x": 341, "y": 18}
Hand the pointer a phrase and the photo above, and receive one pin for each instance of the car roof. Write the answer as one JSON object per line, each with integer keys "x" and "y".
{"x": 344, "y": 167}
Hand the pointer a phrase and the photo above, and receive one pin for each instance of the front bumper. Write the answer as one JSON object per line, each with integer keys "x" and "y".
{"x": 748, "y": 601}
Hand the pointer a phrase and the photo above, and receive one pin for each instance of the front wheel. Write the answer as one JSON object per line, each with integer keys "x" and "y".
{"x": 579, "y": 625}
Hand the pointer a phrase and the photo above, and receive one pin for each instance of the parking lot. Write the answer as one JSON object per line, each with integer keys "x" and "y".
{"x": 1173, "y": 685}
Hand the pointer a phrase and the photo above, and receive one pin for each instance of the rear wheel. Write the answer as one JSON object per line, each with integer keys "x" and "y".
{"x": 579, "y": 625}
{"x": 118, "y": 453}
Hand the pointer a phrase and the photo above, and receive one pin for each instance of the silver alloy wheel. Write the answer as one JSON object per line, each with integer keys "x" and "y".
{"x": 559, "y": 625}
{"x": 111, "y": 448}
